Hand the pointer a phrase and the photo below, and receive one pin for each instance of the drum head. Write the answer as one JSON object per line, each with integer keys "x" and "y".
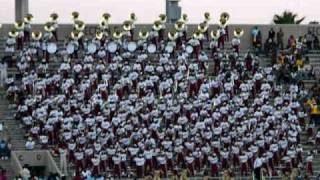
{"x": 52, "y": 48}
{"x": 152, "y": 48}
{"x": 70, "y": 48}
{"x": 189, "y": 49}
{"x": 112, "y": 47}
{"x": 169, "y": 49}
{"x": 132, "y": 46}
{"x": 92, "y": 48}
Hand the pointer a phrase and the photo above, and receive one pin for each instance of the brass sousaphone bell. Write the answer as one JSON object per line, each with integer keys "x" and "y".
{"x": 75, "y": 15}
{"x": 238, "y": 32}
{"x": 99, "y": 35}
{"x": 103, "y": 25}
{"x": 117, "y": 34}
{"x": 48, "y": 26}
{"x": 13, "y": 33}
{"x": 133, "y": 17}
{"x": 197, "y": 34}
{"x": 28, "y": 18}
{"x": 106, "y": 17}
{"x": 203, "y": 27}
{"x": 143, "y": 34}
{"x": 163, "y": 18}
{"x": 184, "y": 18}
{"x": 157, "y": 25}
{"x": 215, "y": 34}
{"x": 19, "y": 25}
{"x": 172, "y": 35}
{"x": 37, "y": 35}
{"x": 179, "y": 25}
{"x": 127, "y": 25}
{"x": 76, "y": 35}
{"x": 79, "y": 25}
{"x": 54, "y": 17}
{"x": 207, "y": 17}
{"x": 225, "y": 16}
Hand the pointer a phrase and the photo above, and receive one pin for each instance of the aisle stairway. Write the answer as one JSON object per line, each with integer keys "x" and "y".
{"x": 16, "y": 134}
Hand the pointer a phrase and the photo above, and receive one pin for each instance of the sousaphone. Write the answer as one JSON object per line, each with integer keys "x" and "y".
{"x": 76, "y": 35}
{"x": 19, "y": 25}
{"x": 238, "y": 32}
{"x": 37, "y": 35}
{"x": 99, "y": 35}
{"x": 133, "y": 17}
{"x": 225, "y": 16}
{"x": 198, "y": 35}
{"x": 172, "y": 35}
{"x": 75, "y": 15}
{"x": 103, "y": 25}
{"x": 117, "y": 34}
{"x": 207, "y": 17}
{"x": 157, "y": 25}
{"x": 48, "y": 26}
{"x": 28, "y": 18}
{"x": 162, "y": 18}
{"x": 184, "y": 18}
{"x": 79, "y": 25}
{"x": 106, "y": 17}
{"x": 203, "y": 27}
{"x": 179, "y": 25}
{"x": 54, "y": 17}
{"x": 144, "y": 34}
{"x": 13, "y": 33}
{"x": 127, "y": 25}
{"x": 215, "y": 34}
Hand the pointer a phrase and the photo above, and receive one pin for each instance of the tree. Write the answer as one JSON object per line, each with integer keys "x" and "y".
{"x": 287, "y": 17}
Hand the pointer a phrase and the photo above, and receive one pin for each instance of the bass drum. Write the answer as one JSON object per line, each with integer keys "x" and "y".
{"x": 132, "y": 46}
{"x": 112, "y": 47}
{"x": 169, "y": 48}
{"x": 152, "y": 48}
{"x": 189, "y": 49}
{"x": 52, "y": 48}
{"x": 70, "y": 48}
{"x": 92, "y": 48}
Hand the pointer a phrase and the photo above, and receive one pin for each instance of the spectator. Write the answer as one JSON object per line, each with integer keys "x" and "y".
{"x": 280, "y": 36}
{"x": 271, "y": 34}
{"x": 3, "y": 175}
{"x": 4, "y": 150}
{"x": 3, "y": 73}
{"x": 309, "y": 39}
{"x": 25, "y": 173}
{"x": 291, "y": 42}
{"x": 316, "y": 42}
{"x": 30, "y": 144}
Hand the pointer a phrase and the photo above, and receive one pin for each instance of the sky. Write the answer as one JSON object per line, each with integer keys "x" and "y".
{"x": 241, "y": 11}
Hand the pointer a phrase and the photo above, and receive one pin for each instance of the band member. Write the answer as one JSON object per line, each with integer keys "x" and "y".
{"x": 238, "y": 32}
{"x": 214, "y": 164}
{"x": 309, "y": 160}
{"x": 203, "y": 28}
{"x": 184, "y": 19}
{"x": 196, "y": 42}
{"x": 143, "y": 39}
{"x": 214, "y": 42}
{"x": 181, "y": 30}
{"x": 27, "y": 28}
{"x": 75, "y": 36}
{"x": 19, "y": 26}
{"x": 222, "y": 33}
{"x": 155, "y": 32}
{"x": 163, "y": 20}
{"x": 54, "y": 20}
{"x": 11, "y": 41}
{"x": 80, "y": 26}
{"x": 133, "y": 19}
{"x": 224, "y": 17}
{"x": 171, "y": 44}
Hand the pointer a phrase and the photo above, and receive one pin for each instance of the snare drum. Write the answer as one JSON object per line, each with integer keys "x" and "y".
{"x": 112, "y": 47}
{"x": 92, "y": 48}
{"x": 52, "y": 48}
{"x": 132, "y": 46}
{"x": 169, "y": 48}
{"x": 152, "y": 48}
{"x": 70, "y": 48}
{"x": 189, "y": 49}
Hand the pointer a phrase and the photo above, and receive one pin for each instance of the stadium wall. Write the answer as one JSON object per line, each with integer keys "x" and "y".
{"x": 296, "y": 30}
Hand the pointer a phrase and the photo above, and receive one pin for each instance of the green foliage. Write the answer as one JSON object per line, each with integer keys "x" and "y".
{"x": 287, "y": 17}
